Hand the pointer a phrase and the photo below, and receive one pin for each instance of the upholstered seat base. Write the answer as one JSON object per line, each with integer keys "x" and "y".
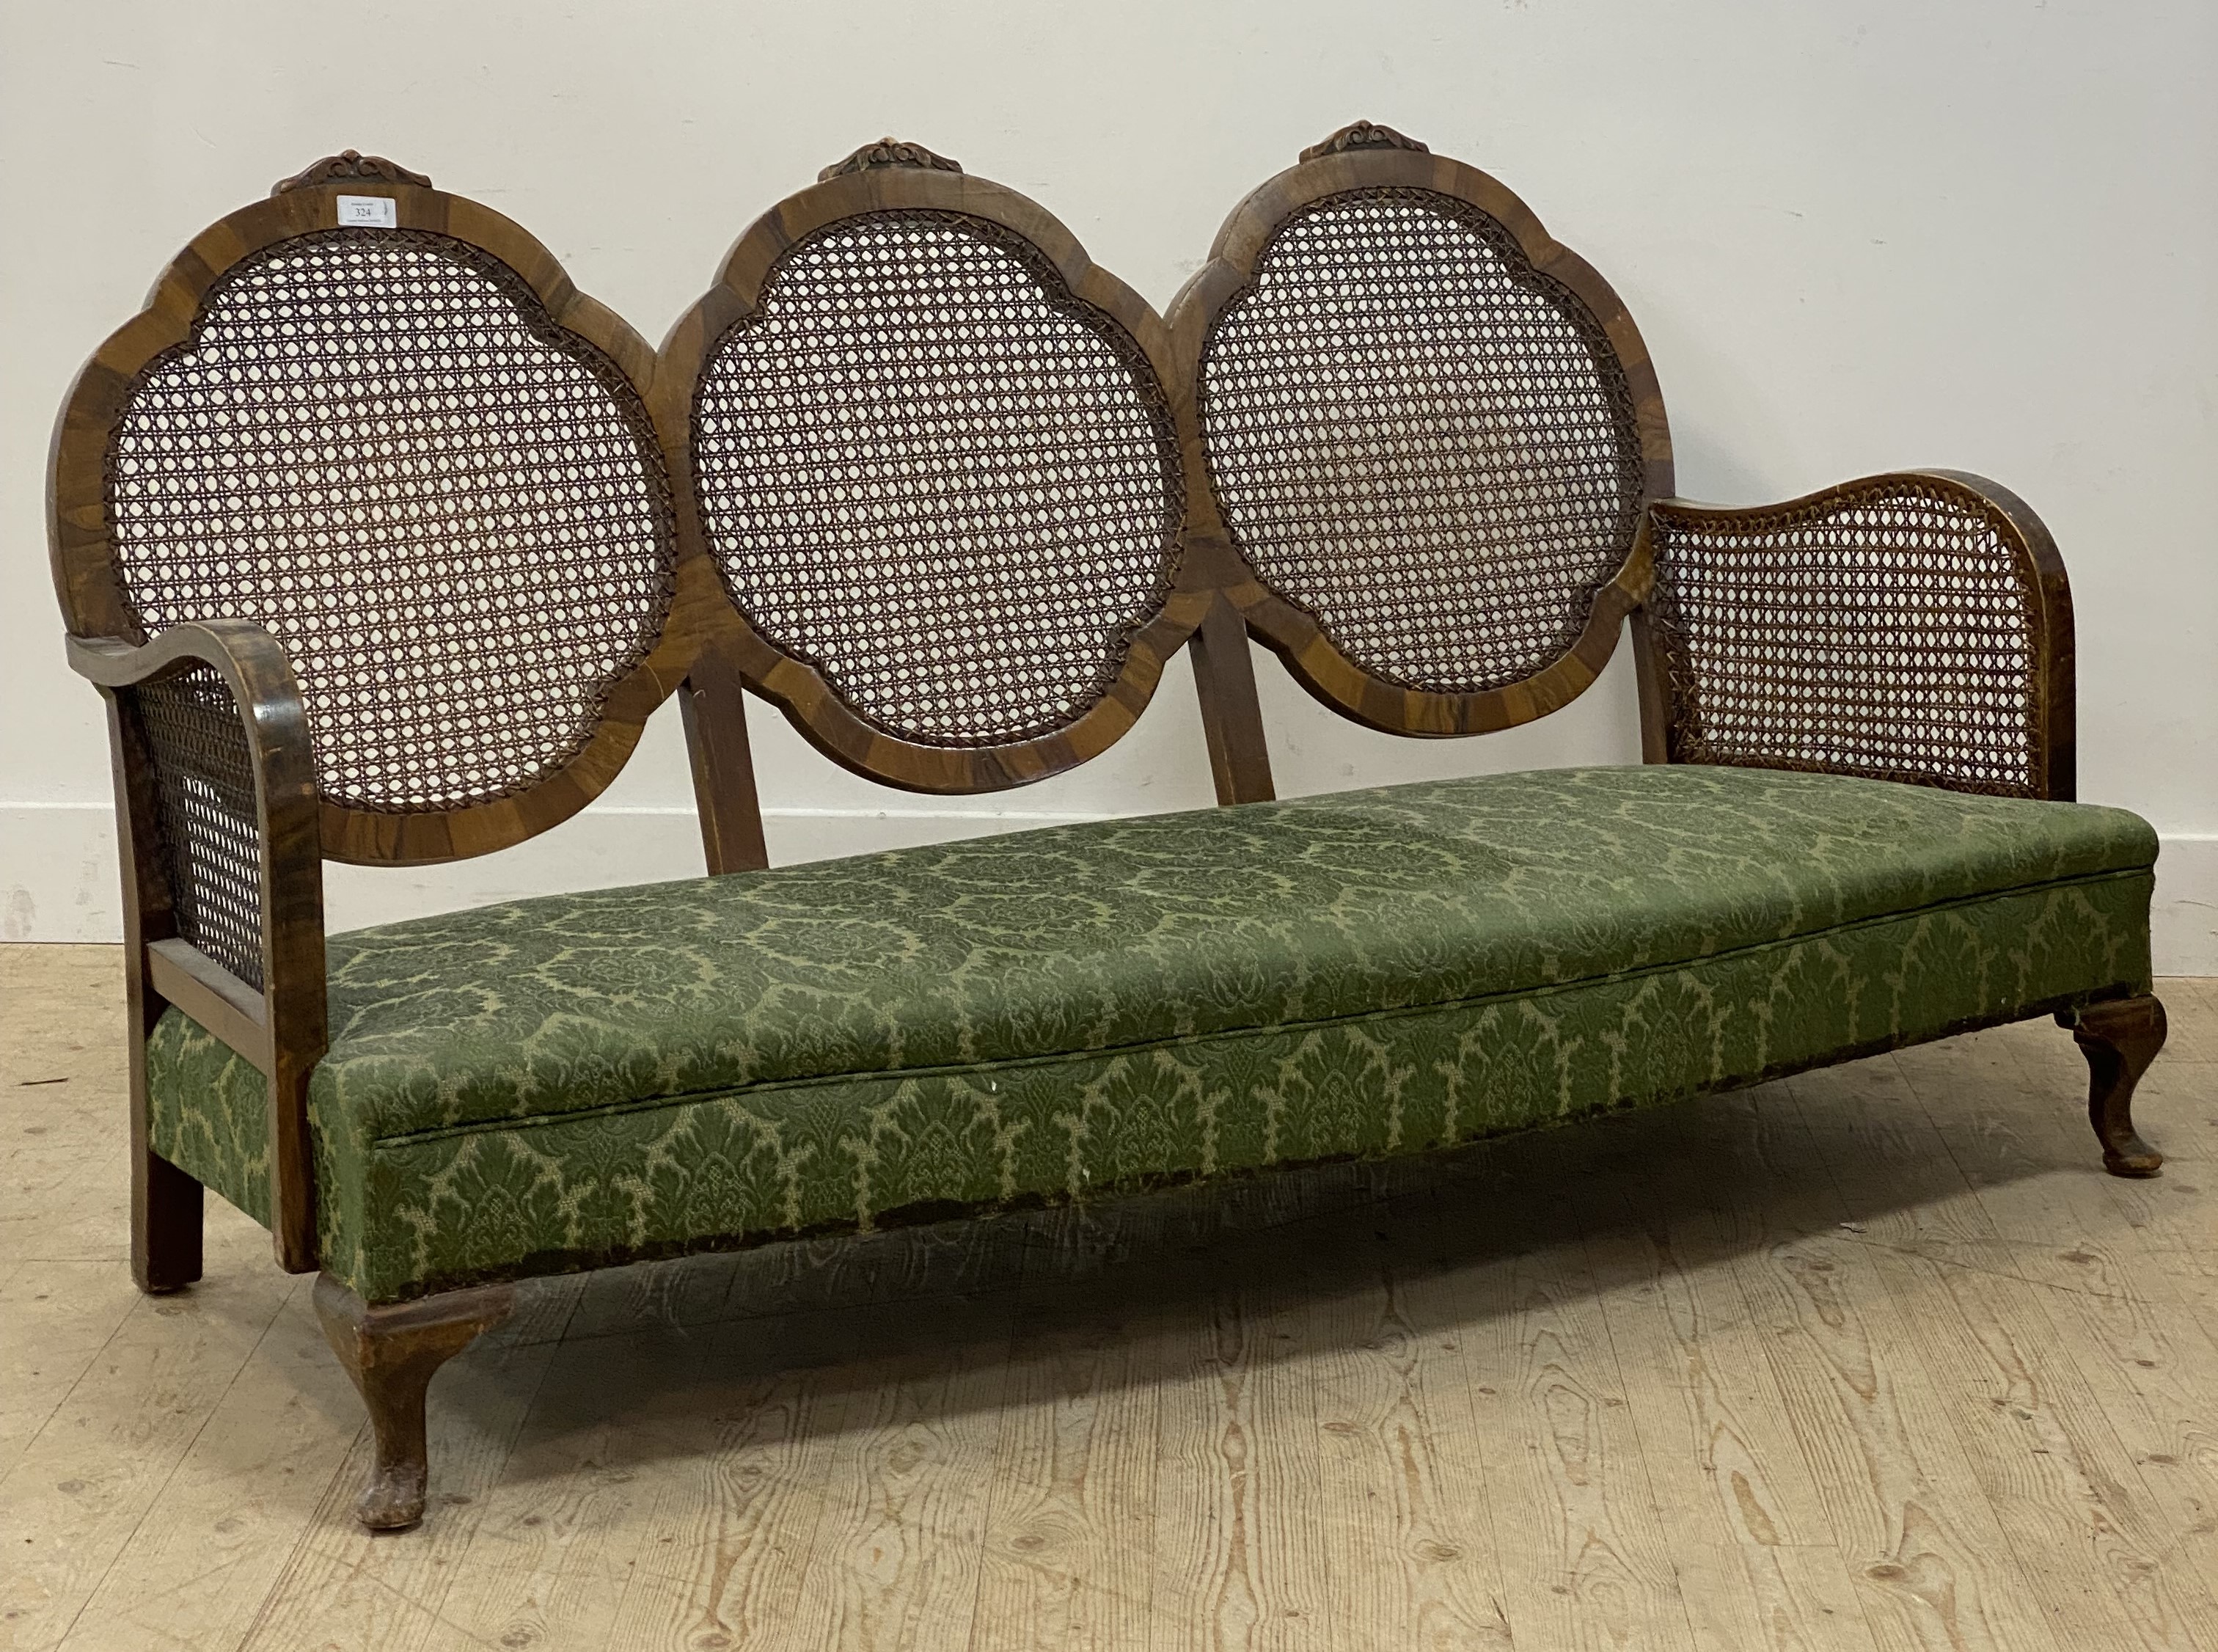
{"x": 585, "y": 1079}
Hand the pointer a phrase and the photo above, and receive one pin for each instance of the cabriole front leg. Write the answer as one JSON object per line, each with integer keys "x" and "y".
{"x": 391, "y": 1353}
{"x": 2120, "y": 1038}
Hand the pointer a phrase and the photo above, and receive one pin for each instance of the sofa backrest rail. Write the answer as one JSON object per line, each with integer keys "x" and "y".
{"x": 920, "y": 472}
{"x": 915, "y": 470}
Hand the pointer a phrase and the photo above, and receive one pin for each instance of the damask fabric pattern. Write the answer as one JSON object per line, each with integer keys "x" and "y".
{"x": 576, "y": 1079}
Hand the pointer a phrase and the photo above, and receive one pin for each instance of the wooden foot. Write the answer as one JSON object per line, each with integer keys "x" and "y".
{"x": 165, "y": 1224}
{"x": 2120, "y": 1038}
{"x": 391, "y": 1353}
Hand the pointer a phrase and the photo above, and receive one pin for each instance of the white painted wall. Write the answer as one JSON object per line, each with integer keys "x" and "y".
{"x": 1980, "y": 234}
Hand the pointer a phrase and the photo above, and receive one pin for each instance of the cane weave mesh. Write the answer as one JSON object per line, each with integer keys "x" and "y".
{"x": 930, "y": 471}
{"x": 1421, "y": 440}
{"x": 1885, "y": 630}
{"x": 211, "y": 838}
{"x": 450, "y": 511}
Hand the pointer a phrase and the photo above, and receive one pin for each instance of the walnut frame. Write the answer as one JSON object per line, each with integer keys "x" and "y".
{"x": 87, "y": 580}
{"x": 2050, "y": 715}
{"x": 1365, "y": 157}
{"x": 706, "y": 648}
{"x": 282, "y": 1026}
{"x": 894, "y": 177}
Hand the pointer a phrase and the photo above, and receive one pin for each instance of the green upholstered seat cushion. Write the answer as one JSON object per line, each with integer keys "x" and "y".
{"x": 775, "y": 995}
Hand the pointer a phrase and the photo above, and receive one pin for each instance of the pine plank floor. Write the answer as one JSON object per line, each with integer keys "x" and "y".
{"x": 1875, "y": 1358}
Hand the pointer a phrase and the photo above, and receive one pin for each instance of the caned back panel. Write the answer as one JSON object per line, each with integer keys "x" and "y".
{"x": 1421, "y": 440}
{"x": 928, "y": 471}
{"x": 451, "y": 511}
{"x": 1888, "y": 627}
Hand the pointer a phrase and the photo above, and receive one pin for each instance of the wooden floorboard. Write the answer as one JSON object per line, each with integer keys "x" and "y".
{"x": 2070, "y": 1498}
{"x": 1750, "y": 1537}
{"x": 1874, "y": 1359}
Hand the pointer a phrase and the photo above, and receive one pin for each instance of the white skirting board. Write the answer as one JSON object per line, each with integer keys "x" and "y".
{"x": 57, "y": 876}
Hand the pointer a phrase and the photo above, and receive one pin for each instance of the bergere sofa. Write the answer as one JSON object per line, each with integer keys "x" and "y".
{"x": 382, "y": 541}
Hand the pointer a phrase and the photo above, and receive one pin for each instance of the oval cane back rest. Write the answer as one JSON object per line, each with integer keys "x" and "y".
{"x": 1430, "y": 432}
{"x": 419, "y": 457}
{"x": 932, "y": 458}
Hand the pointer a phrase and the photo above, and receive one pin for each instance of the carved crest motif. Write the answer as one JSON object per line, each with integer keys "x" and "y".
{"x": 888, "y": 152}
{"x": 348, "y": 165}
{"x": 1364, "y": 134}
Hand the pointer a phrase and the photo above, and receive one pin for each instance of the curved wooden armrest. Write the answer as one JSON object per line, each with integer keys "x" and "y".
{"x": 270, "y": 1008}
{"x": 249, "y": 656}
{"x": 1915, "y": 625}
